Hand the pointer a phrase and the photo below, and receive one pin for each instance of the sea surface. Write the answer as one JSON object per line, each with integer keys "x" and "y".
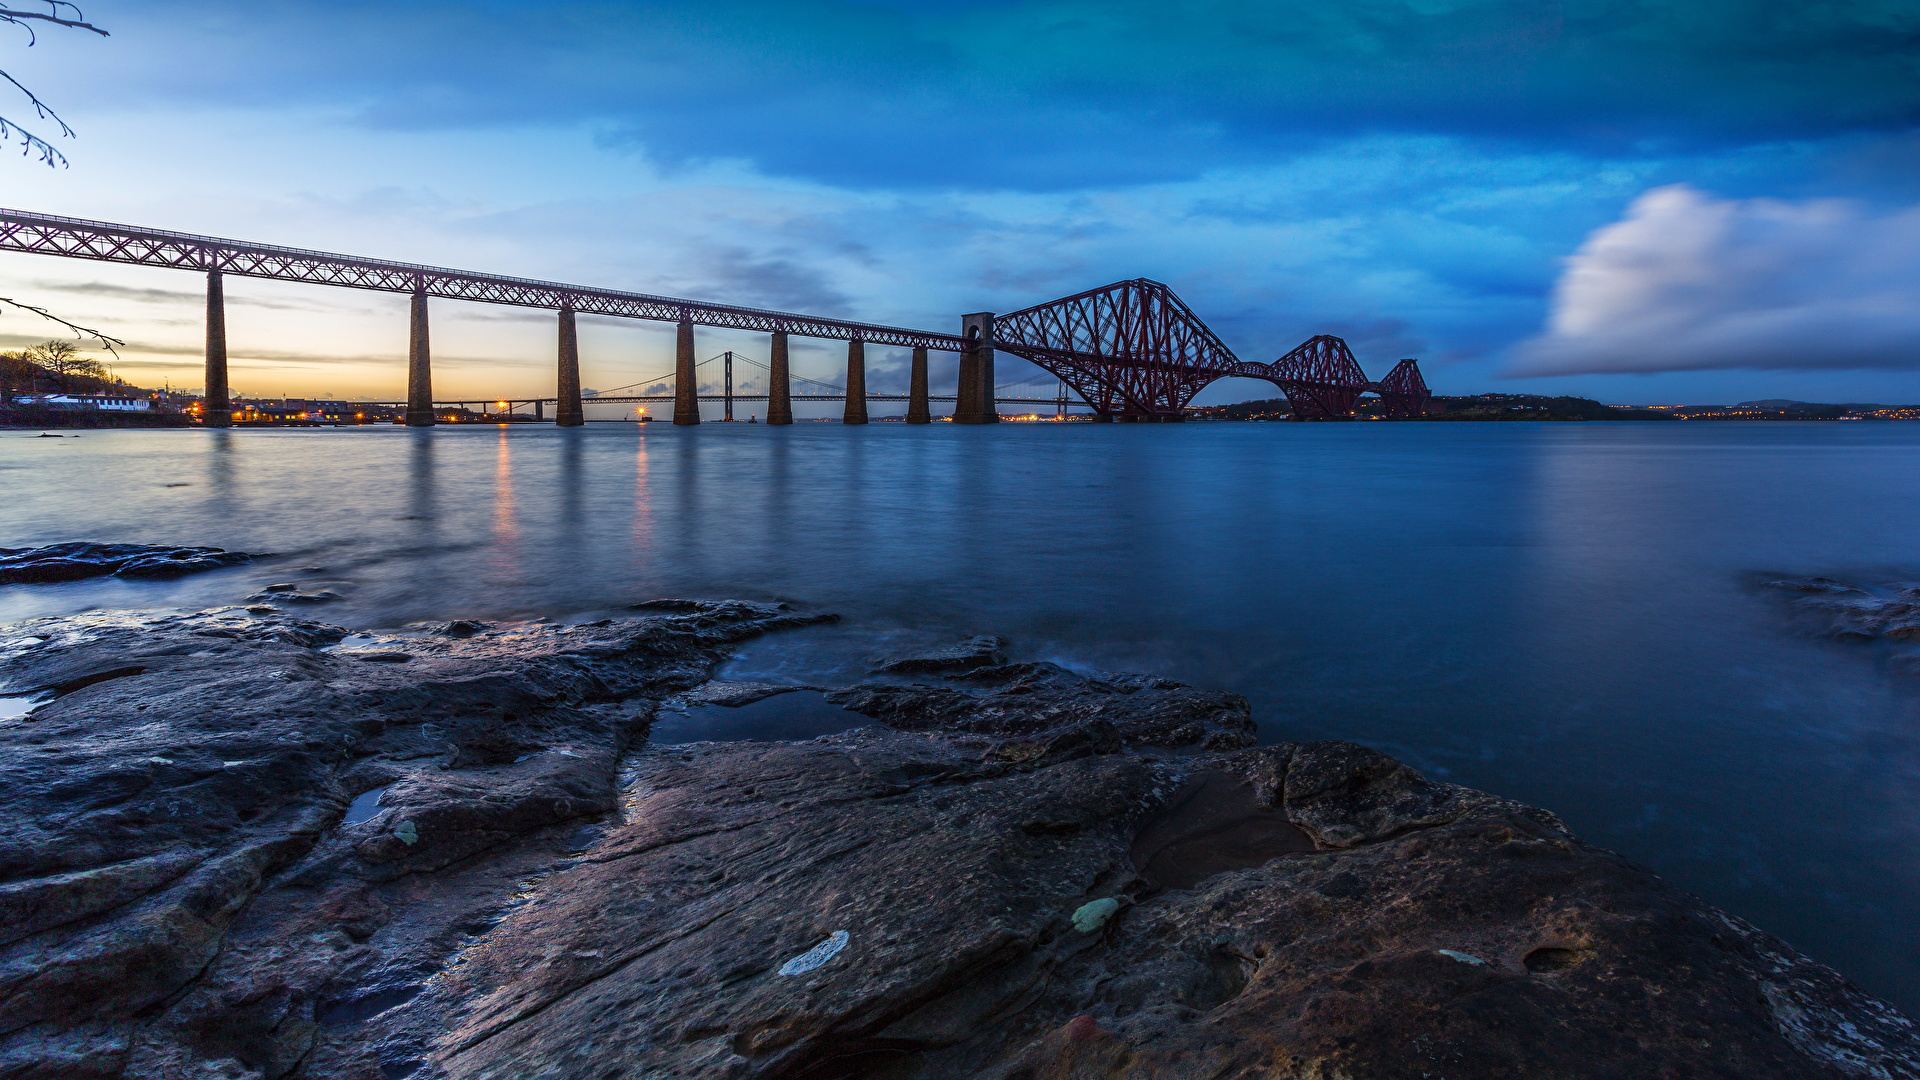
{"x": 1566, "y": 614}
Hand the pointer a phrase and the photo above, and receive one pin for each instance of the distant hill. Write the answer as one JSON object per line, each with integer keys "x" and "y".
{"x": 1477, "y": 407}
{"x": 1532, "y": 407}
{"x": 1540, "y": 407}
{"x": 1790, "y": 405}
{"x": 1786, "y": 409}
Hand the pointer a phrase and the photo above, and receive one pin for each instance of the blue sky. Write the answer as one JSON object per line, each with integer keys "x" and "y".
{"x": 1636, "y": 201}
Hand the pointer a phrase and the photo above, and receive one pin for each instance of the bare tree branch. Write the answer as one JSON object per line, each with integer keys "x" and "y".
{"x": 29, "y": 142}
{"x": 57, "y": 14}
{"x": 106, "y": 342}
{"x": 51, "y": 15}
{"x": 44, "y": 110}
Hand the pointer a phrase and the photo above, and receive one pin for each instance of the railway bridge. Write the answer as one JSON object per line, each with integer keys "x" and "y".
{"x": 1132, "y": 350}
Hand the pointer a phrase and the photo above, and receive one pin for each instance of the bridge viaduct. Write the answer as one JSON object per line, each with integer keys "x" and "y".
{"x": 1132, "y": 350}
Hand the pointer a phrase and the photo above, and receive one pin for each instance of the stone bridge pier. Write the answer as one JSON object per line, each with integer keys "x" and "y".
{"x": 419, "y": 366}
{"x": 568, "y": 410}
{"x": 218, "y": 409}
{"x": 974, "y": 403}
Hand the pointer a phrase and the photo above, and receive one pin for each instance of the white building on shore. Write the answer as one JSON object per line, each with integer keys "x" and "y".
{"x": 87, "y": 401}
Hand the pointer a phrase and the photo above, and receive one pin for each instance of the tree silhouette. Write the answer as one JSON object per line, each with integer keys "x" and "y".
{"x": 63, "y": 361}
{"x": 62, "y": 14}
{"x": 57, "y": 362}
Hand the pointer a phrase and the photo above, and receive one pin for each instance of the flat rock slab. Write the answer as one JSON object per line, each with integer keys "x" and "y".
{"x": 80, "y": 559}
{"x": 228, "y": 849}
{"x": 975, "y": 652}
{"x": 737, "y": 694}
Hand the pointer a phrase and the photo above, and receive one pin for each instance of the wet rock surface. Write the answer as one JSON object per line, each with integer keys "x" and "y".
{"x": 1887, "y": 612}
{"x": 975, "y": 652}
{"x": 235, "y": 849}
{"x": 81, "y": 559}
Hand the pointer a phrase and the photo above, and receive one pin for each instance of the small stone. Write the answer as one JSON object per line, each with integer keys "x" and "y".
{"x": 817, "y": 956}
{"x": 1094, "y": 914}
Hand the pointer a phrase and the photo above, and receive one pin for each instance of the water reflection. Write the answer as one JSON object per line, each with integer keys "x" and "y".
{"x": 219, "y": 470}
{"x": 693, "y": 534}
{"x": 642, "y": 527}
{"x": 772, "y": 553}
{"x": 421, "y": 506}
{"x": 572, "y": 523}
{"x": 505, "y": 530}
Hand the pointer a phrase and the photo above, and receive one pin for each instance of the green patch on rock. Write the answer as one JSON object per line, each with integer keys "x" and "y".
{"x": 1094, "y": 914}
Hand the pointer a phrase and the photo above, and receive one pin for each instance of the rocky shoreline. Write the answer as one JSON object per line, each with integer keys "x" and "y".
{"x": 80, "y": 559}
{"x": 236, "y": 847}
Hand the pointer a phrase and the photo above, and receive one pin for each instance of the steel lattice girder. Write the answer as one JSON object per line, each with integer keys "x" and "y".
{"x": 1320, "y": 378}
{"x": 1130, "y": 347}
{"x": 1403, "y": 390}
{"x": 1135, "y": 348}
{"x": 105, "y": 242}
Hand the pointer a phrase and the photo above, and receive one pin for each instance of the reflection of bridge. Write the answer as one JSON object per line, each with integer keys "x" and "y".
{"x": 512, "y": 406}
{"x": 1132, "y": 350}
{"x": 728, "y": 396}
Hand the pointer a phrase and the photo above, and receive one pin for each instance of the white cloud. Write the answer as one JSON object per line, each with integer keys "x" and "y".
{"x": 1688, "y": 281}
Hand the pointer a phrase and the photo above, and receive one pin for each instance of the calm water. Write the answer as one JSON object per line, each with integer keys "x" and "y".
{"x": 1561, "y": 613}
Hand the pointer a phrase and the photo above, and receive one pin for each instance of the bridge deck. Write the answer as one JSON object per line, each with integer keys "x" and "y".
{"x": 101, "y": 241}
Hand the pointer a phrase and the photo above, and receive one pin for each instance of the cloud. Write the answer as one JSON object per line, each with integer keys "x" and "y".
{"x": 173, "y": 296}
{"x": 122, "y": 292}
{"x": 1688, "y": 282}
{"x": 784, "y": 283}
{"x": 1045, "y": 94}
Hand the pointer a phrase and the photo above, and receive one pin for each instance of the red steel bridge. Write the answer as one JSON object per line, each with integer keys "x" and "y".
{"x": 1132, "y": 350}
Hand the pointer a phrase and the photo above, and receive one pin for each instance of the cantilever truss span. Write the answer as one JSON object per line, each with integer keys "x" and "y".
{"x": 1134, "y": 349}
{"x": 105, "y": 242}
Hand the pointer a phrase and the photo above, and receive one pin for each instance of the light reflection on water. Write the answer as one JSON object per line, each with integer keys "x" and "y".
{"x": 1557, "y": 613}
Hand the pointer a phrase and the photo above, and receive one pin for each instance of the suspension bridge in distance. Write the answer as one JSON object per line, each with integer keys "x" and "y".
{"x": 1132, "y": 351}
